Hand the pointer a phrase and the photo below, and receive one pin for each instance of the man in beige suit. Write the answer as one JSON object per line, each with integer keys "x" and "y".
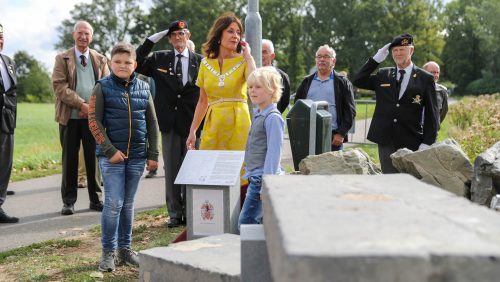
{"x": 76, "y": 71}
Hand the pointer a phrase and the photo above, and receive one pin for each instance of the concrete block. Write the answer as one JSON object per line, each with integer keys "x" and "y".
{"x": 376, "y": 228}
{"x": 254, "y": 257}
{"x": 209, "y": 259}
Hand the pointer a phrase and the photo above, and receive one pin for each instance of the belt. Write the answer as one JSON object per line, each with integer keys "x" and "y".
{"x": 224, "y": 100}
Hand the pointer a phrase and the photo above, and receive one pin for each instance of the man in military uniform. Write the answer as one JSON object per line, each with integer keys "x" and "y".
{"x": 402, "y": 92}
{"x": 174, "y": 73}
{"x": 8, "y": 106}
{"x": 441, "y": 90}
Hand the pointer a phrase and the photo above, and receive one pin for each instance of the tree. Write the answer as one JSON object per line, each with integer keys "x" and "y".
{"x": 112, "y": 20}
{"x": 33, "y": 80}
{"x": 462, "y": 57}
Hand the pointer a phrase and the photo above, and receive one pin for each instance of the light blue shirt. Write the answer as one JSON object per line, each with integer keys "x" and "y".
{"x": 323, "y": 90}
{"x": 275, "y": 128}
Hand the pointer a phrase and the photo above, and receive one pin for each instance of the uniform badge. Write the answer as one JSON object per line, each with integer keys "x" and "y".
{"x": 417, "y": 100}
{"x": 414, "y": 75}
{"x": 404, "y": 42}
{"x": 11, "y": 69}
{"x": 182, "y": 24}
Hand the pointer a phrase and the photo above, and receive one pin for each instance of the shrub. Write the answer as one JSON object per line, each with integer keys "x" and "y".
{"x": 483, "y": 86}
{"x": 476, "y": 123}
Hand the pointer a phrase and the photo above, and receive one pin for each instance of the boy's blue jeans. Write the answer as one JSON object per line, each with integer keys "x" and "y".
{"x": 251, "y": 212}
{"x": 120, "y": 186}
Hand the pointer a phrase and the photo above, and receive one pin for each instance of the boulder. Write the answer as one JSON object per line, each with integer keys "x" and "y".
{"x": 350, "y": 161}
{"x": 443, "y": 164}
{"x": 486, "y": 176}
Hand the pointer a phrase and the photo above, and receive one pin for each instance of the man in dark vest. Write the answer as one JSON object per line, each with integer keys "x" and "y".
{"x": 402, "y": 92}
{"x": 174, "y": 73}
{"x": 8, "y": 106}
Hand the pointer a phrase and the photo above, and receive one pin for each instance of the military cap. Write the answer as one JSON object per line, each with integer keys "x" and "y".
{"x": 177, "y": 25}
{"x": 402, "y": 40}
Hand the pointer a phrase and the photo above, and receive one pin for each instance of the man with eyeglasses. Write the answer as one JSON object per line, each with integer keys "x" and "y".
{"x": 174, "y": 73}
{"x": 441, "y": 90}
{"x": 327, "y": 85}
{"x": 401, "y": 93}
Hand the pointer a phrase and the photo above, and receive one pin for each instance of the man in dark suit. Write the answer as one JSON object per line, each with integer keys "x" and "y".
{"x": 8, "y": 106}
{"x": 174, "y": 73}
{"x": 402, "y": 92}
{"x": 268, "y": 56}
{"x": 327, "y": 85}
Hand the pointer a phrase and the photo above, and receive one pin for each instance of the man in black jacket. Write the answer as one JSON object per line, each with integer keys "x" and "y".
{"x": 327, "y": 85}
{"x": 174, "y": 73}
{"x": 8, "y": 107}
{"x": 402, "y": 92}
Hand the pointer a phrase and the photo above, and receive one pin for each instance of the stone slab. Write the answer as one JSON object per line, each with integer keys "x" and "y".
{"x": 209, "y": 259}
{"x": 376, "y": 228}
{"x": 254, "y": 254}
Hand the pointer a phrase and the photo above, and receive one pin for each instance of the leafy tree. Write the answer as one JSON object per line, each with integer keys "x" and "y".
{"x": 112, "y": 21}
{"x": 462, "y": 57}
{"x": 33, "y": 80}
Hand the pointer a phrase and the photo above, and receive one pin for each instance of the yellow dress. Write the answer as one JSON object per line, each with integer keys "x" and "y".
{"x": 227, "y": 121}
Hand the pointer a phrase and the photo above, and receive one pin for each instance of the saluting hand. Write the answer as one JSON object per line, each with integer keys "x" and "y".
{"x": 158, "y": 36}
{"x": 382, "y": 53}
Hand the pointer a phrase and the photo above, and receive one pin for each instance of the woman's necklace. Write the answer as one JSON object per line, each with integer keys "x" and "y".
{"x": 221, "y": 76}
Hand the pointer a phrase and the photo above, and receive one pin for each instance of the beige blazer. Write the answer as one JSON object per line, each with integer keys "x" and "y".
{"x": 64, "y": 81}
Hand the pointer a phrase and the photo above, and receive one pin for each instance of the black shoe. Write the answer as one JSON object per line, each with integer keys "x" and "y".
{"x": 96, "y": 206}
{"x": 68, "y": 209}
{"x": 10, "y": 193}
{"x": 174, "y": 222}
{"x": 151, "y": 173}
{"x": 4, "y": 218}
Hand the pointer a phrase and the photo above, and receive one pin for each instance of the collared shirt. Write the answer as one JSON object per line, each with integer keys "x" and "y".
{"x": 86, "y": 54}
{"x": 4, "y": 69}
{"x": 406, "y": 78}
{"x": 185, "y": 63}
{"x": 275, "y": 128}
{"x": 323, "y": 90}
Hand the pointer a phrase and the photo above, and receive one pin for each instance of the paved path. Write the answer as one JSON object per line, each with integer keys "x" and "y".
{"x": 38, "y": 204}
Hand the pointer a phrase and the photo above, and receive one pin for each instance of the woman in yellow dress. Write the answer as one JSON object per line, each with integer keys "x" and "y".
{"x": 223, "y": 88}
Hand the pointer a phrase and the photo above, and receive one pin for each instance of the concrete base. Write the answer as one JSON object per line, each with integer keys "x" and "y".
{"x": 209, "y": 259}
{"x": 254, "y": 257}
{"x": 376, "y": 228}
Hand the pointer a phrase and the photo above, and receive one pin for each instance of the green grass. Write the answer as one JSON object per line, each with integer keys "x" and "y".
{"x": 364, "y": 111}
{"x": 77, "y": 260}
{"x": 37, "y": 151}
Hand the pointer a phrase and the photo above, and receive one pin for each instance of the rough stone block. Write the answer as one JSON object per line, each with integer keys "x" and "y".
{"x": 254, "y": 257}
{"x": 486, "y": 180}
{"x": 349, "y": 161}
{"x": 376, "y": 228}
{"x": 209, "y": 259}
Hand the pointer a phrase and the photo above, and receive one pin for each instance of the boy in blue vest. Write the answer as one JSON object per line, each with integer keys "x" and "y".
{"x": 265, "y": 140}
{"x": 122, "y": 120}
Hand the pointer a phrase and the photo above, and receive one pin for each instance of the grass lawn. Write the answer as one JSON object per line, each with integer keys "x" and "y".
{"x": 364, "y": 111}
{"x": 37, "y": 151}
{"x": 77, "y": 258}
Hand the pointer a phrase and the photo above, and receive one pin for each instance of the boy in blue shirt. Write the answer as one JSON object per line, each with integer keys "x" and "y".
{"x": 265, "y": 140}
{"x": 122, "y": 120}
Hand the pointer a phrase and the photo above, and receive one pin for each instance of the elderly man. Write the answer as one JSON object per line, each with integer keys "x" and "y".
{"x": 75, "y": 72}
{"x": 401, "y": 92}
{"x": 8, "y": 103}
{"x": 441, "y": 90}
{"x": 174, "y": 73}
{"x": 268, "y": 56}
{"x": 327, "y": 85}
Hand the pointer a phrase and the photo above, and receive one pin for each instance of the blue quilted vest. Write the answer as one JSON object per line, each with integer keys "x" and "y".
{"x": 124, "y": 119}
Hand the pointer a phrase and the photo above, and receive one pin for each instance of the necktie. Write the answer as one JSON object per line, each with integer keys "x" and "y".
{"x": 83, "y": 60}
{"x": 400, "y": 81}
{"x": 178, "y": 70}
